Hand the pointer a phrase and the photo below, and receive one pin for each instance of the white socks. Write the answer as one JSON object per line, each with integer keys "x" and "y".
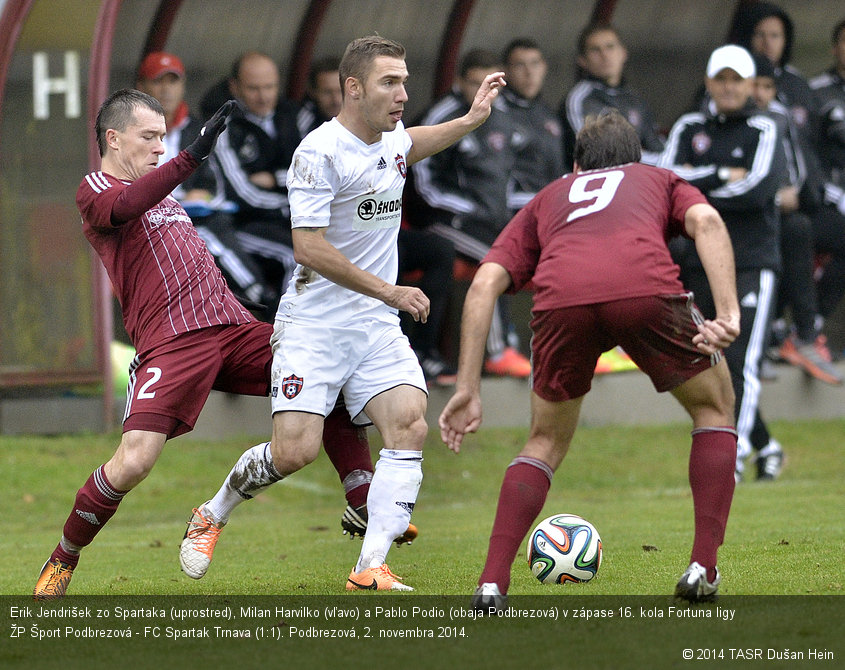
{"x": 253, "y": 473}
{"x": 392, "y": 496}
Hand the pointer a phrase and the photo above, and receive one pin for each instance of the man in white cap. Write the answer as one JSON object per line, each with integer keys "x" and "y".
{"x": 732, "y": 152}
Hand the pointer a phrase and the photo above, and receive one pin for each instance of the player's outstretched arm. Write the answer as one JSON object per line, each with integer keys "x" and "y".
{"x": 462, "y": 413}
{"x": 429, "y": 140}
{"x": 713, "y": 244}
{"x": 150, "y": 189}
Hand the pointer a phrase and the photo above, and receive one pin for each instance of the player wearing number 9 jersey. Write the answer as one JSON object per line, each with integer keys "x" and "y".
{"x": 594, "y": 244}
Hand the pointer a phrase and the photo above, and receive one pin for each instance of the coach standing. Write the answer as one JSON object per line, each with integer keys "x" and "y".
{"x": 733, "y": 153}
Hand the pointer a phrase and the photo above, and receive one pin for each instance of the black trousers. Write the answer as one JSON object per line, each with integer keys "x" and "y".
{"x": 434, "y": 256}
{"x": 829, "y": 237}
{"x": 797, "y": 289}
{"x": 756, "y": 289}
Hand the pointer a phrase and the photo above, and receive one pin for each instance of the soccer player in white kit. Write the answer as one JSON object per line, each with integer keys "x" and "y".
{"x": 337, "y": 328}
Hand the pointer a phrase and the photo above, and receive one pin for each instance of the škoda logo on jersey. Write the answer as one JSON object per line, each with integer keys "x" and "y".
{"x": 291, "y": 386}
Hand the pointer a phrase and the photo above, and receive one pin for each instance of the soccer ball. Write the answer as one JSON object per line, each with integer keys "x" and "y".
{"x": 564, "y": 548}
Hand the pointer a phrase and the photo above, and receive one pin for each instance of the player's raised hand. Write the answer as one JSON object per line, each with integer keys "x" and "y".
{"x": 461, "y": 415}
{"x": 204, "y": 143}
{"x": 482, "y": 105}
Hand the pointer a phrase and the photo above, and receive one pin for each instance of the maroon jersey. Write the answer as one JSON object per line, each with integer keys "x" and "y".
{"x": 598, "y": 236}
{"x": 164, "y": 276}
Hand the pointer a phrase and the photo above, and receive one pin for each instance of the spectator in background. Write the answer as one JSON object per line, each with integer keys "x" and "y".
{"x": 765, "y": 28}
{"x": 537, "y": 132}
{"x": 462, "y": 190}
{"x": 253, "y": 157}
{"x": 323, "y": 96}
{"x": 805, "y": 347}
{"x": 733, "y": 154}
{"x": 601, "y": 62}
{"x": 422, "y": 250}
{"x": 829, "y": 89}
{"x": 162, "y": 75}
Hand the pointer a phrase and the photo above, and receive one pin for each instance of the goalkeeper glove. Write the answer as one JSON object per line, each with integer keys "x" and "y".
{"x": 203, "y": 145}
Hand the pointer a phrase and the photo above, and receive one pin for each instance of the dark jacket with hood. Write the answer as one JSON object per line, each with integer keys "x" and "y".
{"x": 793, "y": 90}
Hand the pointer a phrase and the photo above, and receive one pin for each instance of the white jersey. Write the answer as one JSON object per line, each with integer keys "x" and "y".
{"x": 353, "y": 189}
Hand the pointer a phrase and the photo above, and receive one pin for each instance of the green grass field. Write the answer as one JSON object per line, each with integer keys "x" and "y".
{"x": 785, "y": 537}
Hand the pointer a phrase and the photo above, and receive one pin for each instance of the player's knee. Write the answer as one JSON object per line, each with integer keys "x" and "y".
{"x": 289, "y": 458}
{"x": 134, "y": 459}
{"x": 416, "y": 432}
{"x": 130, "y": 467}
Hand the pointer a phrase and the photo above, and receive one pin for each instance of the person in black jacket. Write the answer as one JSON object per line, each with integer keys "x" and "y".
{"x": 253, "y": 156}
{"x": 767, "y": 30}
{"x": 601, "y": 62}
{"x": 805, "y": 347}
{"x": 462, "y": 191}
{"x": 733, "y": 154}
{"x": 829, "y": 89}
{"x": 537, "y": 130}
{"x": 323, "y": 96}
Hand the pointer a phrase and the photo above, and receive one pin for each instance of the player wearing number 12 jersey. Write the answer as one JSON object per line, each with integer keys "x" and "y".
{"x": 594, "y": 245}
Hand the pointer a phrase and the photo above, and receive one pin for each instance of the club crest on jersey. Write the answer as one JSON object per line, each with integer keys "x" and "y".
{"x": 291, "y": 386}
{"x": 400, "y": 165}
{"x": 497, "y": 141}
{"x": 800, "y": 115}
{"x": 701, "y": 143}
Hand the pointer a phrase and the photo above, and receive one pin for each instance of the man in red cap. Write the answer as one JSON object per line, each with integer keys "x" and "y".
{"x": 162, "y": 75}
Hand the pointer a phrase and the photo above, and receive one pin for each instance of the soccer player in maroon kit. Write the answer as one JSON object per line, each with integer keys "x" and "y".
{"x": 594, "y": 245}
{"x": 190, "y": 333}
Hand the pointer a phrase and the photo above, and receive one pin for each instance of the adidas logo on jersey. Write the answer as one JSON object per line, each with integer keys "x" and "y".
{"x": 382, "y": 164}
{"x": 90, "y": 517}
{"x": 408, "y": 507}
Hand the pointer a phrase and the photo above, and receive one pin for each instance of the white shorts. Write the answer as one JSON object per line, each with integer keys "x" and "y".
{"x": 314, "y": 363}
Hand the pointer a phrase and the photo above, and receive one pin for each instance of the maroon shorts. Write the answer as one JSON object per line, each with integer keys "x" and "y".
{"x": 655, "y": 331}
{"x": 169, "y": 384}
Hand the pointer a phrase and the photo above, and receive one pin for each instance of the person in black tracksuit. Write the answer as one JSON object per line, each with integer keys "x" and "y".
{"x": 460, "y": 193}
{"x": 537, "y": 130}
{"x": 767, "y": 30}
{"x": 733, "y": 154}
{"x": 799, "y": 199}
{"x": 253, "y": 156}
{"x": 829, "y": 89}
{"x": 601, "y": 85}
